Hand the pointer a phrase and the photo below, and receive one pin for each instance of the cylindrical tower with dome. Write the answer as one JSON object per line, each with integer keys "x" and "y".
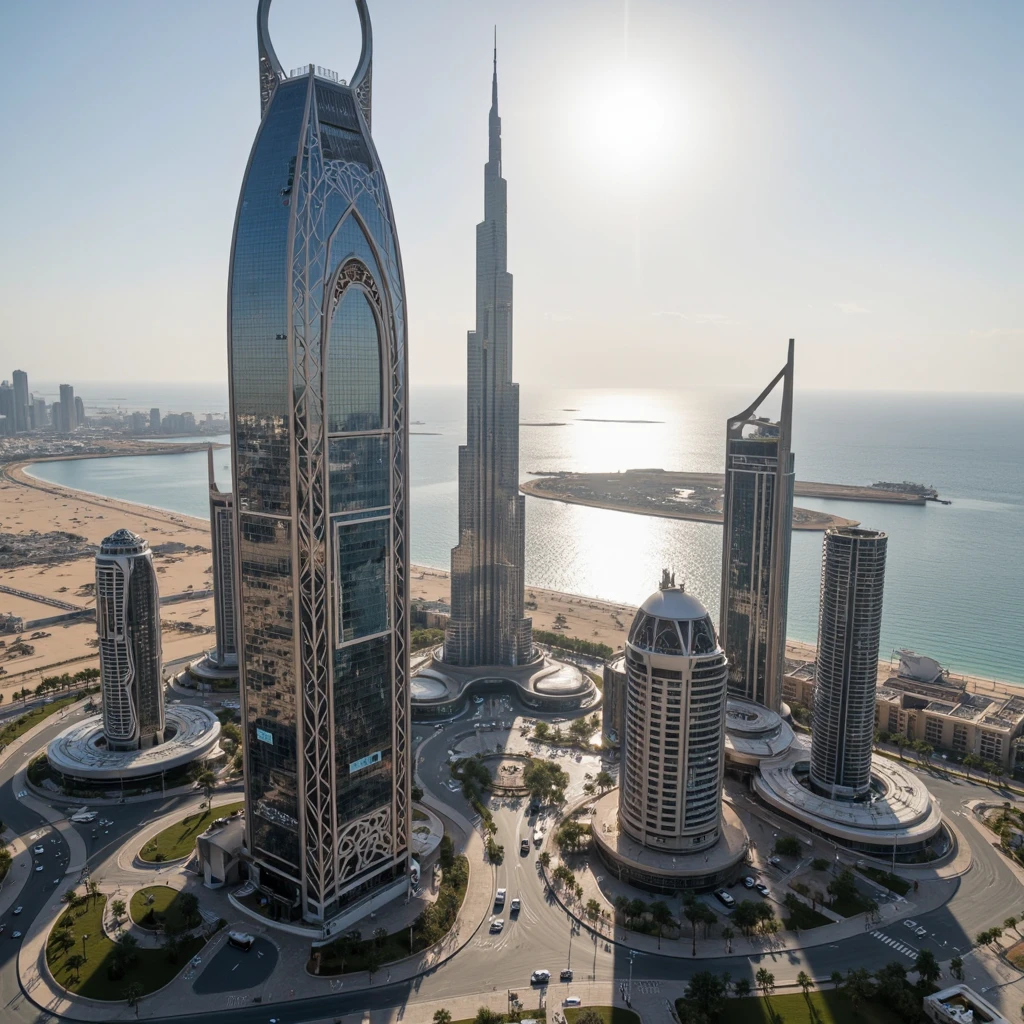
{"x": 670, "y": 796}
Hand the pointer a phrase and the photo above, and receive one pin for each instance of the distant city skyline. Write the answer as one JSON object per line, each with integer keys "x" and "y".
{"x": 843, "y": 173}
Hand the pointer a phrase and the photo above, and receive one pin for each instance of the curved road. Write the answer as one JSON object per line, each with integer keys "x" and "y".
{"x": 541, "y": 935}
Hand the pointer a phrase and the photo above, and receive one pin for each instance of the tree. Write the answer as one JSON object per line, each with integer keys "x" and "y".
{"x": 661, "y": 916}
{"x": 637, "y": 908}
{"x": 1010, "y": 922}
{"x": 589, "y": 1016}
{"x": 379, "y": 936}
{"x": 593, "y": 910}
{"x": 74, "y": 963}
{"x": 956, "y": 968}
{"x": 132, "y": 995}
{"x": 927, "y": 966}
{"x": 843, "y": 887}
{"x": 969, "y": 762}
{"x": 173, "y": 943}
{"x": 70, "y": 897}
{"x": 417, "y": 793}
{"x": 117, "y": 908}
{"x": 858, "y": 986}
{"x": 804, "y": 980}
{"x": 787, "y": 846}
{"x": 545, "y": 859}
{"x": 207, "y": 780}
{"x": 546, "y": 781}
{"x": 442, "y": 1017}
{"x": 836, "y": 977}
{"x": 374, "y": 959}
{"x": 743, "y": 988}
{"x": 707, "y": 991}
{"x": 603, "y": 781}
{"x": 692, "y": 913}
{"x": 765, "y": 981}
{"x": 485, "y": 1015}
{"x": 188, "y": 906}
{"x": 820, "y": 864}
{"x": 728, "y": 934}
{"x": 93, "y": 888}
{"x": 541, "y": 731}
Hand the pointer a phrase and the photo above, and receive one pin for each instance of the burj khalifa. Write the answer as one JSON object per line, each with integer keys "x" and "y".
{"x": 487, "y": 626}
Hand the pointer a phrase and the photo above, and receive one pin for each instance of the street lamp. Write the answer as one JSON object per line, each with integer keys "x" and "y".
{"x": 84, "y": 937}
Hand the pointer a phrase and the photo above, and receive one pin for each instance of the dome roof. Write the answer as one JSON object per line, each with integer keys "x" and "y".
{"x": 122, "y": 542}
{"x": 674, "y": 603}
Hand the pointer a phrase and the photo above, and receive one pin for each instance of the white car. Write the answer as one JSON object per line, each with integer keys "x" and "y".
{"x": 17, "y": 910}
{"x": 15, "y": 935}
{"x": 515, "y": 905}
{"x": 39, "y": 849}
{"x": 39, "y": 867}
{"x": 497, "y": 924}
{"x": 499, "y": 899}
{"x": 540, "y": 977}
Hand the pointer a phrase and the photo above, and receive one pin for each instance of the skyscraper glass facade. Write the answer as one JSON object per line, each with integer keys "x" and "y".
{"x": 487, "y": 626}
{"x": 318, "y": 367}
{"x": 222, "y": 536}
{"x": 758, "y": 515}
{"x": 846, "y": 669}
{"x": 128, "y": 629}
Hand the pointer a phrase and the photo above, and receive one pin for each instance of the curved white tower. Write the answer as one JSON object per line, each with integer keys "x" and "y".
{"x": 671, "y": 788}
{"x": 128, "y": 626}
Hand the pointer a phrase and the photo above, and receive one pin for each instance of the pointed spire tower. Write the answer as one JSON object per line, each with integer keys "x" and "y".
{"x": 487, "y": 626}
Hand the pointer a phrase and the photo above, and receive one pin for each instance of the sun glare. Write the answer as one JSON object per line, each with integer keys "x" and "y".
{"x": 627, "y": 125}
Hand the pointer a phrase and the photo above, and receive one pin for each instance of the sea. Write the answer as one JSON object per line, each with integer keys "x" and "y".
{"x": 954, "y": 586}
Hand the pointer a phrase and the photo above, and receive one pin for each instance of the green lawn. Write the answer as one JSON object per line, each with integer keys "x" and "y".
{"x": 886, "y": 878}
{"x": 817, "y": 1008}
{"x": 609, "y": 1014}
{"x": 178, "y": 839}
{"x": 418, "y": 815}
{"x": 849, "y": 907}
{"x": 32, "y": 718}
{"x": 151, "y": 969}
{"x": 164, "y": 906}
{"x": 803, "y": 917}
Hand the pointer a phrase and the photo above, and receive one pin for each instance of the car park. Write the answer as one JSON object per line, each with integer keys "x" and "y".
{"x": 540, "y": 977}
{"x": 762, "y": 889}
{"x": 748, "y": 882}
{"x": 497, "y": 924}
{"x": 725, "y": 898}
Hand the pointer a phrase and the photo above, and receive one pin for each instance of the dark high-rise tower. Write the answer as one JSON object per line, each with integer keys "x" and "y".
{"x": 846, "y": 670}
{"x": 222, "y": 514}
{"x": 758, "y": 522}
{"x": 21, "y": 400}
{"x": 487, "y": 626}
{"x": 319, "y": 441}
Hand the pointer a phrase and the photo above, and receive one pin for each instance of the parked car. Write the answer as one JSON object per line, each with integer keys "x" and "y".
{"x": 774, "y": 860}
{"x": 39, "y": 849}
{"x": 572, "y": 1001}
{"x": 725, "y": 898}
{"x": 540, "y": 977}
{"x": 748, "y": 882}
{"x": 762, "y": 889}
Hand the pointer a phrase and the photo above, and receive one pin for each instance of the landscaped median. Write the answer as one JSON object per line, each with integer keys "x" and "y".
{"x": 158, "y": 907}
{"x": 352, "y": 952}
{"x": 83, "y": 960}
{"x": 575, "y": 1015}
{"x": 177, "y": 840}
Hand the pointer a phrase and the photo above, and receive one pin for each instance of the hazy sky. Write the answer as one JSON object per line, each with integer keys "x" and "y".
{"x": 689, "y": 183}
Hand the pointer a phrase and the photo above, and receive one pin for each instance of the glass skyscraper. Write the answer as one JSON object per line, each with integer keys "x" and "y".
{"x": 222, "y": 539}
{"x": 128, "y": 629}
{"x": 486, "y": 626}
{"x": 758, "y": 524}
{"x": 318, "y": 370}
{"x": 846, "y": 669}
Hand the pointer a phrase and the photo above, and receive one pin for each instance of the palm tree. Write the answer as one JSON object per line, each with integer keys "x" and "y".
{"x": 728, "y": 934}
{"x": 442, "y": 1017}
{"x": 858, "y": 986}
{"x": 70, "y": 897}
{"x": 93, "y": 889}
{"x": 545, "y": 859}
{"x": 132, "y": 995}
{"x": 956, "y": 968}
{"x": 622, "y": 906}
{"x": 662, "y": 916}
{"x": 1010, "y": 922}
{"x": 927, "y": 966}
{"x": 603, "y": 781}
{"x": 765, "y": 981}
{"x": 836, "y": 977}
{"x": 117, "y": 908}
{"x": 207, "y": 780}
{"x": 74, "y": 963}
{"x": 692, "y": 913}
{"x": 743, "y": 988}
{"x": 804, "y": 980}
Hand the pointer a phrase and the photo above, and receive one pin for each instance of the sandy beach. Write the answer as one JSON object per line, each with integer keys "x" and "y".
{"x": 29, "y": 505}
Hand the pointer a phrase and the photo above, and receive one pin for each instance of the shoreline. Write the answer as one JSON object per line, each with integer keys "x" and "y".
{"x": 589, "y": 618}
